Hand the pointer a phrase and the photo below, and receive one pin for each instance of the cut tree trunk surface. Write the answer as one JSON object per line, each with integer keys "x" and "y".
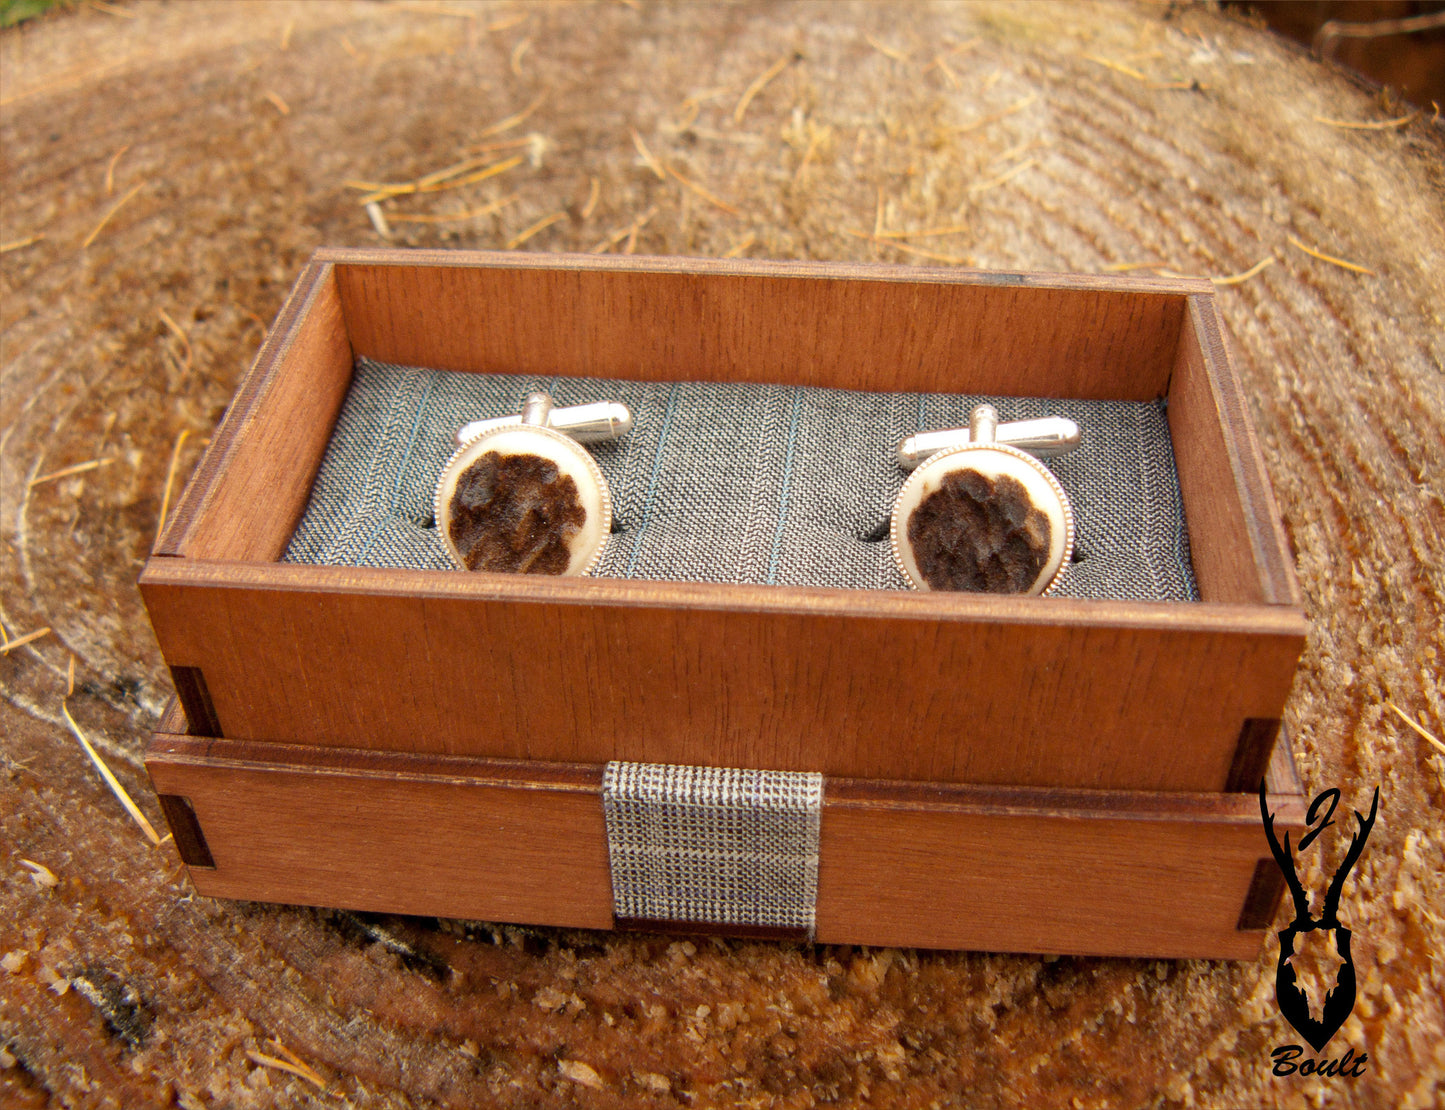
{"x": 167, "y": 169}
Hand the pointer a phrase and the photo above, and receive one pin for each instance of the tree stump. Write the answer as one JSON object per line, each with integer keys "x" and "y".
{"x": 167, "y": 170}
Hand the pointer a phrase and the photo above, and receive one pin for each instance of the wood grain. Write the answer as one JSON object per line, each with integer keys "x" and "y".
{"x": 836, "y": 326}
{"x": 688, "y": 320}
{"x": 953, "y": 688}
{"x": 252, "y": 485}
{"x": 1236, "y": 544}
{"x": 930, "y": 865}
{"x": 394, "y": 833}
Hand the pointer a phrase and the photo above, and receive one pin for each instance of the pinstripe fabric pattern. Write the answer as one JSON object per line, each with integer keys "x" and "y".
{"x": 741, "y": 483}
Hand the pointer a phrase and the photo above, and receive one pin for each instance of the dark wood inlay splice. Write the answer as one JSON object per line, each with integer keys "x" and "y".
{"x": 1252, "y": 753}
{"x": 1266, "y": 889}
{"x": 186, "y": 831}
{"x": 195, "y": 699}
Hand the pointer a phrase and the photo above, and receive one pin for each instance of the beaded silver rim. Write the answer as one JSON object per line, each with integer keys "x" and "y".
{"x": 442, "y": 513}
{"x": 936, "y": 461}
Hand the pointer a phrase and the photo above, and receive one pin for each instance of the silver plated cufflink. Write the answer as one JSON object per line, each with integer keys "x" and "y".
{"x": 522, "y": 496}
{"x": 980, "y": 512}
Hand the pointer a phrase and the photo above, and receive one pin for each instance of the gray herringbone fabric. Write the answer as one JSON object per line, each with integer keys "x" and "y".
{"x": 713, "y": 844}
{"x": 741, "y": 483}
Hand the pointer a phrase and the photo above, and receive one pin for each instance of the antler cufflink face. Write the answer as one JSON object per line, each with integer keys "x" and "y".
{"x": 982, "y": 515}
{"x": 519, "y": 496}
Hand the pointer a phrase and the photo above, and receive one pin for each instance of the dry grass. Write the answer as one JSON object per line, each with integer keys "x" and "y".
{"x": 110, "y": 780}
{"x": 1354, "y": 267}
{"x": 1430, "y": 737}
{"x": 20, "y": 244}
{"x": 110, "y": 170}
{"x": 170, "y": 482}
{"x": 89, "y": 239}
{"x": 541, "y": 225}
{"x": 758, "y": 85}
{"x": 67, "y": 471}
{"x": 10, "y": 645}
{"x": 706, "y": 195}
{"x": 1353, "y": 125}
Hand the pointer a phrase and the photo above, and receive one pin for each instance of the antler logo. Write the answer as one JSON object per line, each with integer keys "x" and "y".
{"x": 1339, "y": 1000}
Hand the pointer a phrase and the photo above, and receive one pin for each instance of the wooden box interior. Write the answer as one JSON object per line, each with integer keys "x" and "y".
{"x": 860, "y": 685}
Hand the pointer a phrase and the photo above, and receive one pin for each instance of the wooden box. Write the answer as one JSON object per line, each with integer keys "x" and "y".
{"x": 1003, "y": 773}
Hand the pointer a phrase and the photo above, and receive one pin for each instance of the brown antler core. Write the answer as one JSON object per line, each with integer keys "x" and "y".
{"x": 515, "y": 513}
{"x": 980, "y": 534}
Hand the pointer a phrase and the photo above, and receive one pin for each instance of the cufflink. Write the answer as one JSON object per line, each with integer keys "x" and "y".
{"x": 522, "y": 496}
{"x": 979, "y": 513}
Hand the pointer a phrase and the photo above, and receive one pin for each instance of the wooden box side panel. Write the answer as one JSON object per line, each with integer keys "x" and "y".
{"x": 394, "y": 838}
{"x": 249, "y": 492}
{"x": 969, "y": 868}
{"x": 1235, "y": 541}
{"x": 1035, "y": 883}
{"x": 991, "y": 690}
{"x": 844, "y": 327}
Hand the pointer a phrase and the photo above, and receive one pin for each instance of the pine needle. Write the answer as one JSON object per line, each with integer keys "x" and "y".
{"x": 517, "y": 52}
{"x": 522, "y": 236}
{"x": 758, "y": 85}
{"x": 180, "y": 334}
{"x": 452, "y": 218}
{"x": 1236, "y": 279}
{"x": 947, "y": 71}
{"x": 647, "y": 156}
{"x": 883, "y": 241}
{"x": 438, "y": 181}
{"x": 1416, "y": 726}
{"x": 1232, "y": 279}
{"x": 702, "y": 192}
{"x": 1118, "y": 67}
{"x": 888, "y": 51}
{"x": 286, "y": 33}
{"x": 629, "y": 232}
{"x": 1331, "y": 259}
{"x": 741, "y": 248}
{"x": 1382, "y": 125}
{"x": 110, "y": 780}
{"x": 1130, "y": 71}
{"x": 170, "y": 482}
{"x": 17, "y": 244}
{"x": 89, "y": 239}
{"x": 20, "y": 641}
{"x": 78, "y": 468}
{"x": 70, "y": 676}
{"x": 303, "y": 1071}
{"x": 1125, "y": 267}
{"x": 691, "y": 106}
{"x": 110, "y": 170}
{"x": 1003, "y": 178}
{"x": 281, "y": 105}
{"x": 511, "y": 121}
{"x": 594, "y": 194}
